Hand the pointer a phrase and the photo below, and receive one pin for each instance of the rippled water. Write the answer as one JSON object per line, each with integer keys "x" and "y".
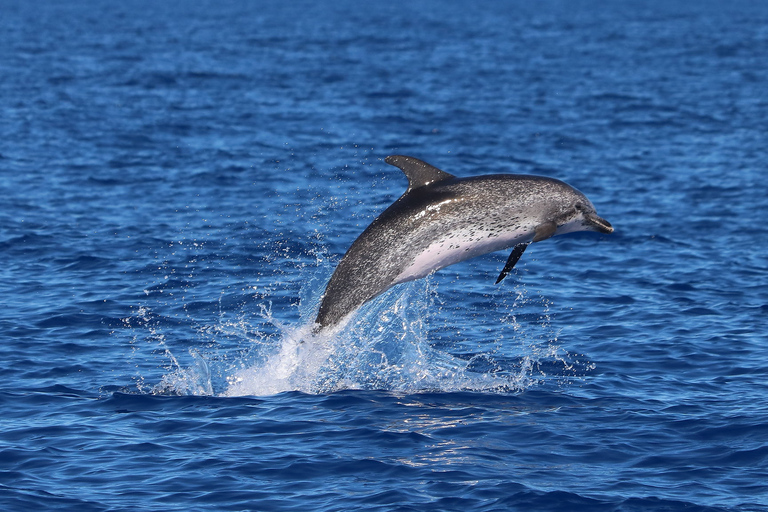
{"x": 179, "y": 181}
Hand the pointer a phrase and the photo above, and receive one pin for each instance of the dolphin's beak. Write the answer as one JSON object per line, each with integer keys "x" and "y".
{"x": 598, "y": 224}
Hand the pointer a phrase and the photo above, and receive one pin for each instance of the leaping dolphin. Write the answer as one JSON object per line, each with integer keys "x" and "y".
{"x": 441, "y": 220}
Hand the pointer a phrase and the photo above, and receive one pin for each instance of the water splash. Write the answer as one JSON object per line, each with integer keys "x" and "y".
{"x": 194, "y": 380}
{"x": 388, "y": 345}
{"x": 294, "y": 366}
{"x": 406, "y": 341}
{"x": 384, "y": 347}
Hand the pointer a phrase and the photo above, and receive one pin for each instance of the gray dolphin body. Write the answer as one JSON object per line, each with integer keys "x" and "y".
{"x": 441, "y": 220}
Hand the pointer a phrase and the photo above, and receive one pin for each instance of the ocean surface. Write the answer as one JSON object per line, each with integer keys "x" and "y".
{"x": 179, "y": 179}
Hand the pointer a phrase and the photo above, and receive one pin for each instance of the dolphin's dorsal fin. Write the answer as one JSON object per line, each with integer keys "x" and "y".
{"x": 419, "y": 173}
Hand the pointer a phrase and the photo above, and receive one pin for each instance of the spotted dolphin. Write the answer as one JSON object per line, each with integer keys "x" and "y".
{"x": 441, "y": 220}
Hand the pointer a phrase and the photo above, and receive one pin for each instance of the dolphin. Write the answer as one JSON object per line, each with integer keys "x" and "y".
{"x": 441, "y": 220}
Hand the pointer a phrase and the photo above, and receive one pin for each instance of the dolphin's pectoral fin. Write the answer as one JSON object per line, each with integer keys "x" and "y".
{"x": 544, "y": 231}
{"x": 512, "y": 260}
{"x": 419, "y": 173}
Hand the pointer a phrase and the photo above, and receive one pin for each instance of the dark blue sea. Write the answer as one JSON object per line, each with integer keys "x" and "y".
{"x": 179, "y": 179}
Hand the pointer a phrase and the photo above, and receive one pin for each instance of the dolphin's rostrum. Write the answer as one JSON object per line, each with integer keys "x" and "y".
{"x": 441, "y": 220}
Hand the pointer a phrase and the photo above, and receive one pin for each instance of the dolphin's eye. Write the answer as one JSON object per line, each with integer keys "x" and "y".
{"x": 579, "y": 206}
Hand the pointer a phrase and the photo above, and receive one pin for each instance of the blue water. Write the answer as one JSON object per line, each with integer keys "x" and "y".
{"x": 179, "y": 179}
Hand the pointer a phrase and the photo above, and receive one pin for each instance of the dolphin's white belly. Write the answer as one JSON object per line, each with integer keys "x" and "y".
{"x": 461, "y": 246}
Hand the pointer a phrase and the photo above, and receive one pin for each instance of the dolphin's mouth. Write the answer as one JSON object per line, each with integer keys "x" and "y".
{"x": 599, "y": 224}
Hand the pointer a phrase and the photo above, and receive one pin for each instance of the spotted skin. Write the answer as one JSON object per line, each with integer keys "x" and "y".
{"x": 442, "y": 220}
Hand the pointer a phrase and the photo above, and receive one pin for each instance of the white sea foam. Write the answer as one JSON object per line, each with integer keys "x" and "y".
{"x": 294, "y": 366}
